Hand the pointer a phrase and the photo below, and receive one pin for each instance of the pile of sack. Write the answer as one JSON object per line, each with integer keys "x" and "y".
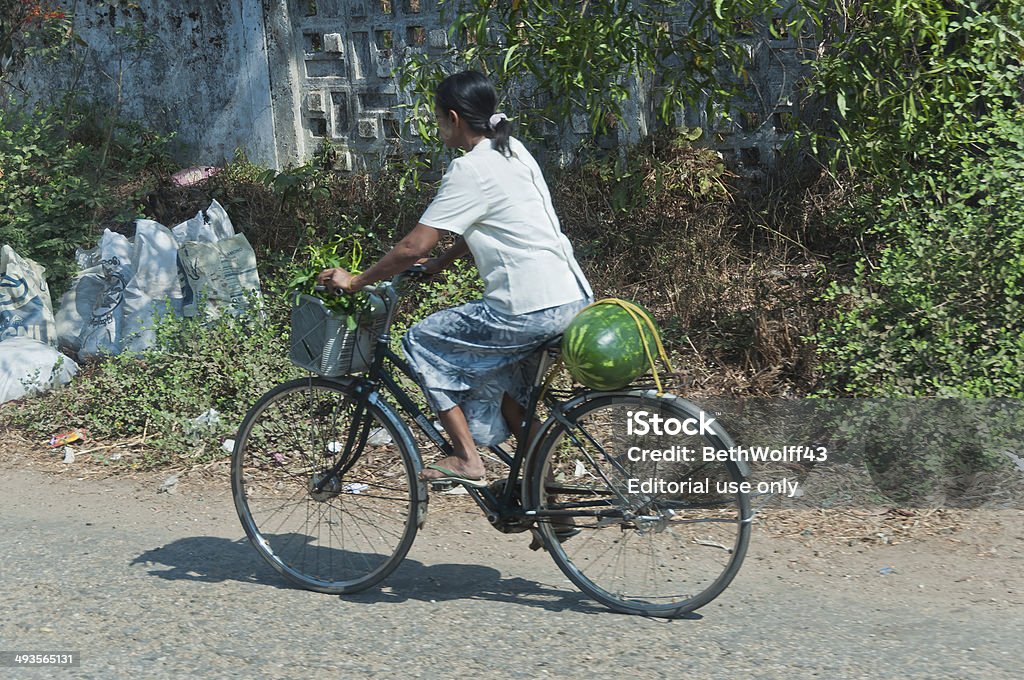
{"x": 123, "y": 287}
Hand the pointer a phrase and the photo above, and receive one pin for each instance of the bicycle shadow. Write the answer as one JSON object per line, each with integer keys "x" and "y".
{"x": 210, "y": 559}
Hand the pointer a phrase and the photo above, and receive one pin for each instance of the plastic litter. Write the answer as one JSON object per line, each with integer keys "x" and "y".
{"x": 203, "y": 423}
{"x": 65, "y": 438}
{"x": 209, "y": 417}
{"x": 356, "y": 487}
{"x": 885, "y": 571}
{"x": 1015, "y": 459}
{"x": 193, "y": 176}
{"x": 379, "y": 437}
{"x": 69, "y": 455}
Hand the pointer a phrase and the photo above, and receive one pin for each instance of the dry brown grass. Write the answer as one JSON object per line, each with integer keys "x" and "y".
{"x": 730, "y": 268}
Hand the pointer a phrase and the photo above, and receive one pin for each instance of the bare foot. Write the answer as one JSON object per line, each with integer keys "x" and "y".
{"x": 458, "y": 465}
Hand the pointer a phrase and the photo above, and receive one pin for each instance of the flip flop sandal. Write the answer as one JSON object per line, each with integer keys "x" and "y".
{"x": 450, "y": 476}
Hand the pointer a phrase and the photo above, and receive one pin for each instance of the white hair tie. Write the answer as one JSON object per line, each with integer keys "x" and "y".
{"x": 495, "y": 119}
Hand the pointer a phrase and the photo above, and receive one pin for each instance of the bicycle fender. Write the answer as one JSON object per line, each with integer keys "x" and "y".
{"x": 559, "y": 416}
{"x": 409, "y": 443}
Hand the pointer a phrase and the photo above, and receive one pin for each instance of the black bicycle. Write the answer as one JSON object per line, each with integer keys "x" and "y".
{"x": 627, "y": 490}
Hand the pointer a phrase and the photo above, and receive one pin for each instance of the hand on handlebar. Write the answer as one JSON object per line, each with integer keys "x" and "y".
{"x": 429, "y": 265}
{"x": 338, "y": 280}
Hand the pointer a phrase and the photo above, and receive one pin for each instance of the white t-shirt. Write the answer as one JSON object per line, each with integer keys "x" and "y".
{"x": 502, "y": 207}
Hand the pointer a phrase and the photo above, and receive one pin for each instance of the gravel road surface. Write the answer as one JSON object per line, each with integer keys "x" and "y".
{"x": 165, "y": 585}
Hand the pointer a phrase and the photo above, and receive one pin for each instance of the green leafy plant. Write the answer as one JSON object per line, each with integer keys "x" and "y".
{"x": 555, "y": 61}
{"x": 51, "y": 195}
{"x": 340, "y": 251}
{"x": 937, "y": 310}
{"x": 905, "y": 81}
{"x": 924, "y": 106}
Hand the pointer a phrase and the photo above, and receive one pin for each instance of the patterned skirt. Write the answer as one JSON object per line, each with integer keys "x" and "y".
{"x": 471, "y": 355}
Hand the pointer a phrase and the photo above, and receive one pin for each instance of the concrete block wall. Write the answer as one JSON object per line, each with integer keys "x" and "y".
{"x": 192, "y": 67}
{"x": 332, "y": 64}
{"x": 752, "y": 136}
{"x": 277, "y": 78}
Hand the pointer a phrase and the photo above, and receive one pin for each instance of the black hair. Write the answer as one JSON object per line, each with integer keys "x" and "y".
{"x": 472, "y": 96}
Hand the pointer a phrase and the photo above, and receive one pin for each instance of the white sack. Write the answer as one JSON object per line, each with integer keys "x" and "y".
{"x": 91, "y": 316}
{"x": 215, "y": 226}
{"x": 111, "y": 245}
{"x": 154, "y": 290}
{"x": 29, "y": 366}
{"x": 218, "y": 274}
{"x": 125, "y": 286}
{"x": 25, "y": 306}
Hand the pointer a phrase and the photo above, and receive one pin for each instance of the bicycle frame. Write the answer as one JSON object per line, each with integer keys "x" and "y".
{"x": 378, "y": 379}
{"x": 288, "y": 457}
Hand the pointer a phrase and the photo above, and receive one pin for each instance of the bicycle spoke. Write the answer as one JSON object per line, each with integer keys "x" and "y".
{"x": 659, "y": 552}
{"x": 325, "y": 531}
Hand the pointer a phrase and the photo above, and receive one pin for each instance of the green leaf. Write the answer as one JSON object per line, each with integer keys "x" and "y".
{"x": 508, "y": 56}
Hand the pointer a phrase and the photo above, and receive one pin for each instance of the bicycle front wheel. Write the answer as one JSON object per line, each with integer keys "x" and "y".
{"x": 327, "y": 523}
{"x": 646, "y": 526}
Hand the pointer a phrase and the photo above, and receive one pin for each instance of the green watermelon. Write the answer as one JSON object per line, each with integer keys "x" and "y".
{"x": 602, "y": 347}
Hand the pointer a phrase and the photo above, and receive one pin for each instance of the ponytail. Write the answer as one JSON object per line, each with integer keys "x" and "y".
{"x": 502, "y": 129}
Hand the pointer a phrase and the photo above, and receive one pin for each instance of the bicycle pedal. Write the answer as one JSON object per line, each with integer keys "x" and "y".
{"x": 442, "y": 485}
{"x": 537, "y": 543}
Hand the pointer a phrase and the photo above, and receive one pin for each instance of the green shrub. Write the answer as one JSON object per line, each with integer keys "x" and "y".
{"x": 63, "y": 177}
{"x": 223, "y": 365}
{"x": 904, "y": 81}
{"x": 938, "y": 310}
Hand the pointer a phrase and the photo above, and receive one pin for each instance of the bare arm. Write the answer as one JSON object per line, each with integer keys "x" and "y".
{"x": 407, "y": 252}
{"x": 445, "y": 259}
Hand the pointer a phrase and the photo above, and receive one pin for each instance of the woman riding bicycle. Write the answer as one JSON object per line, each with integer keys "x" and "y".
{"x": 472, "y": 361}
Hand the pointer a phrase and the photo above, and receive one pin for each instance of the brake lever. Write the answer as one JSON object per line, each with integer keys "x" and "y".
{"x": 418, "y": 270}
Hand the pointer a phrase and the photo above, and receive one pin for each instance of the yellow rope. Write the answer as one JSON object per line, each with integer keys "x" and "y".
{"x": 641, "y": 319}
{"x": 552, "y": 372}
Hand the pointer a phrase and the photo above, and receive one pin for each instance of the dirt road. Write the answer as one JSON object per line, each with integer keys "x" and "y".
{"x": 149, "y": 584}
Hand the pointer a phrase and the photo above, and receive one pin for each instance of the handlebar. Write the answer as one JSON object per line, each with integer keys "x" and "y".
{"x": 417, "y": 271}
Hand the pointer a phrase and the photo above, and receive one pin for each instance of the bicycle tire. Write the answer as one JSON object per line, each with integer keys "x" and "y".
{"x": 660, "y": 554}
{"x": 346, "y": 534}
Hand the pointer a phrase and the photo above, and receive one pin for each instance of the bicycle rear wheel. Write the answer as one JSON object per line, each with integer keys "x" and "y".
{"x": 659, "y": 535}
{"x": 333, "y": 532}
